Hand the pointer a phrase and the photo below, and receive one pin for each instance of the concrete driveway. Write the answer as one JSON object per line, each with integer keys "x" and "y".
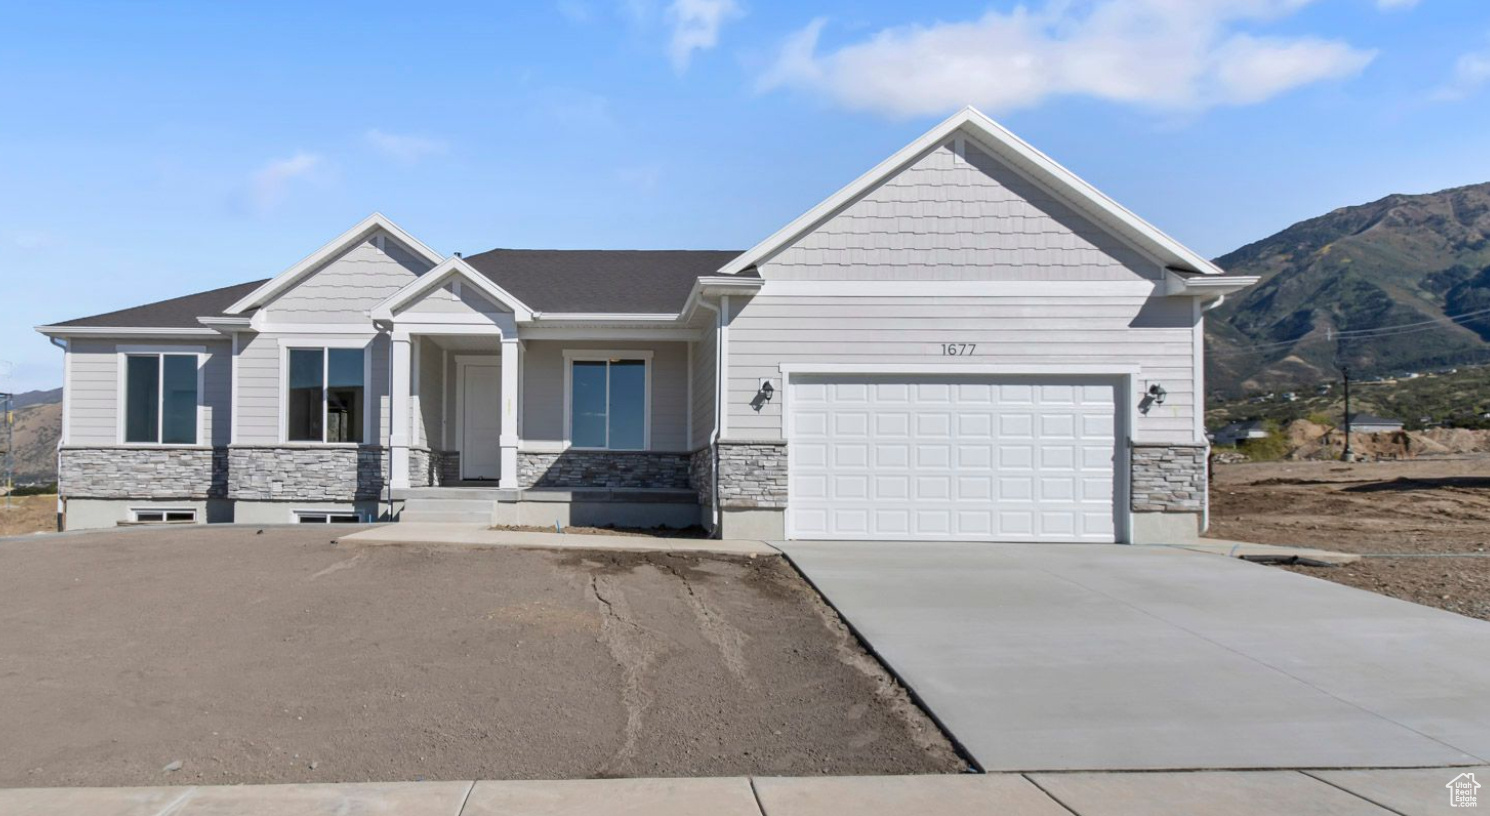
{"x": 1107, "y": 657}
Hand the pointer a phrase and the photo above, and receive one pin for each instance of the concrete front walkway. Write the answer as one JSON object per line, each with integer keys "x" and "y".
{"x": 481, "y": 535}
{"x": 1216, "y": 793}
{"x": 1109, "y": 657}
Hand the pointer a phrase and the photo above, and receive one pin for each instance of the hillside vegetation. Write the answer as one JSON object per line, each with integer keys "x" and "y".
{"x": 1403, "y": 259}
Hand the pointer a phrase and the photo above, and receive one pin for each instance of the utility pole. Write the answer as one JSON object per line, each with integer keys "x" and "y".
{"x": 7, "y": 444}
{"x": 1348, "y": 455}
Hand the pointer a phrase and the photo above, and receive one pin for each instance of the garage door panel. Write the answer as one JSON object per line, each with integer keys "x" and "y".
{"x": 952, "y": 458}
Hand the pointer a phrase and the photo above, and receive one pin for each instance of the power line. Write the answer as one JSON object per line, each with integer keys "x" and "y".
{"x": 1357, "y": 334}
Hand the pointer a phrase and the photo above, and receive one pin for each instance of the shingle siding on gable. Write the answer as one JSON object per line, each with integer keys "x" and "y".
{"x": 950, "y": 218}
{"x": 347, "y": 288}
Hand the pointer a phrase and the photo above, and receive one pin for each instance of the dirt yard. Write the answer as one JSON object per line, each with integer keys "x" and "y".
{"x": 280, "y": 657}
{"x": 28, "y": 514}
{"x": 1429, "y": 518}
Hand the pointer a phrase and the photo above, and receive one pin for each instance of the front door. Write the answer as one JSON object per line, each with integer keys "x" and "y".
{"x": 481, "y": 420}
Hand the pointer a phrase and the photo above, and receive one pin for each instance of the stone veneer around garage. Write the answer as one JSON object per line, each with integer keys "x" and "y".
{"x": 309, "y": 473}
{"x": 129, "y": 472}
{"x": 752, "y": 475}
{"x": 1169, "y": 478}
{"x": 575, "y": 468}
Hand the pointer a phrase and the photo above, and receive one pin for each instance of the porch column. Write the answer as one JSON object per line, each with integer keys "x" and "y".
{"x": 399, "y": 414}
{"x": 511, "y": 367}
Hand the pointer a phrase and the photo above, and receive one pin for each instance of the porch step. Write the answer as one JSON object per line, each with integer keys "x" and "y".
{"x": 453, "y": 509}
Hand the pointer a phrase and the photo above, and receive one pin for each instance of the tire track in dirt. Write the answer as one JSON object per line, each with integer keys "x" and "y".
{"x": 634, "y": 650}
{"x": 725, "y": 637}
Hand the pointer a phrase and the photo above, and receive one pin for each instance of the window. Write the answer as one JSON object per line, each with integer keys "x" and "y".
{"x": 160, "y": 399}
{"x": 326, "y": 395}
{"x": 608, "y": 403}
{"x": 160, "y": 515}
{"x": 326, "y": 517}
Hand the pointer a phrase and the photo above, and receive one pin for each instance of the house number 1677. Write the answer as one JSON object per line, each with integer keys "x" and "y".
{"x": 958, "y": 349}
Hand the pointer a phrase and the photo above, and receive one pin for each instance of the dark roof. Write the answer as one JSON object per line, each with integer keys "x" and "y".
{"x": 651, "y": 281}
{"x": 548, "y": 280}
{"x": 176, "y": 313}
{"x": 1372, "y": 419}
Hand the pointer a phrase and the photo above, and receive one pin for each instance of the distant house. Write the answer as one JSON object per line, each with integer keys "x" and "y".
{"x": 1370, "y": 423}
{"x": 1236, "y": 432}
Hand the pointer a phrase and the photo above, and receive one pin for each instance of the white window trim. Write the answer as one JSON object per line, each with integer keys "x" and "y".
{"x": 134, "y": 514}
{"x": 122, "y": 355}
{"x": 297, "y": 514}
{"x": 605, "y": 355}
{"x": 369, "y": 401}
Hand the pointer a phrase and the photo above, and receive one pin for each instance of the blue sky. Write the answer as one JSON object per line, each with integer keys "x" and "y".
{"x": 149, "y": 150}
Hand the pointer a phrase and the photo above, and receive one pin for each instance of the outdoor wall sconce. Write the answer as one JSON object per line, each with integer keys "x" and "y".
{"x": 1155, "y": 396}
{"x": 763, "y": 395}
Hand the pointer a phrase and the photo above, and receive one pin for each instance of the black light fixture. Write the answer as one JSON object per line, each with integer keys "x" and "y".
{"x": 767, "y": 390}
{"x": 1158, "y": 393}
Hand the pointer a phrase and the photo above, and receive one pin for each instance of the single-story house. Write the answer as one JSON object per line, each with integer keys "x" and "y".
{"x": 1233, "y": 432}
{"x": 968, "y": 342}
{"x": 1370, "y": 423}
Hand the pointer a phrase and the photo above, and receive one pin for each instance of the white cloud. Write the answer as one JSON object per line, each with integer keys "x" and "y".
{"x": 268, "y": 186}
{"x": 696, "y": 25}
{"x": 1471, "y": 72}
{"x": 406, "y": 149}
{"x": 1395, "y": 5}
{"x": 1177, "y": 55}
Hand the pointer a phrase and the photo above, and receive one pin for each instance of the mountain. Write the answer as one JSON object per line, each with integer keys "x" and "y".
{"x": 29, "y": 398}
{"x": 1404, "y": 259}
{"x": 38, "y": 426}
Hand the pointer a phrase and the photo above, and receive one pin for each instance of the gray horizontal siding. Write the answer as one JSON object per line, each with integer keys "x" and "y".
{"x": 702, "y": 408}
{"x": 1155, "y": 334}
{"x": 946, "y": 217}
{"x": 543, "y": 390}
{"x": 259, "y": 386}
{"x": 94, "y": 402}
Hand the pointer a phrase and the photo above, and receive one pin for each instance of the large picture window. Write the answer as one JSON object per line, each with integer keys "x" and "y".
{"x": 608, "y": 403}
{"x": 326, "y": 395}
{"x": 160, "y": 399}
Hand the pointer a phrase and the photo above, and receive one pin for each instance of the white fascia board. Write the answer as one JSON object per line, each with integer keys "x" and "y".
{"x": 603, "y": 317}
{"x": 1209, "y": 287}
{"x": 1019, "y": 154}
{"x": 715, "y": 286}
{"x": 124, "y": 331}
{"x": 363, "y": 228}
{"x": 1032, "y": 369}
{"x": 452, "y": 268}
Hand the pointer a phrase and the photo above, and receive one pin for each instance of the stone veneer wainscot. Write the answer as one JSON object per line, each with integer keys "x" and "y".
{"x": 752, "y": 474}
{"x": 1169, "y": 478}
{"x": 308, "y": 473}
{"x": 576, "y": 468}
{"x": 155, "y": 472}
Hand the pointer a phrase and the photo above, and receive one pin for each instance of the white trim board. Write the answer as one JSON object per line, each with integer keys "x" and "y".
{"x": 455, "y": 269}
{"x": 1013, "y": 370}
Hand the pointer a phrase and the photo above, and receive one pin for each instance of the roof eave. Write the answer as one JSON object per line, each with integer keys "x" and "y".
{"x": 126, "y": 331}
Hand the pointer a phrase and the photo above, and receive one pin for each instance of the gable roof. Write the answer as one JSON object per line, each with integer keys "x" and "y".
{"x": 1017, "y": 154}
{"x": 646, "y": 281}
{"x": 456, "y": 267}
{"x": 176, "y": 313}
{"x": 357, "y": 234}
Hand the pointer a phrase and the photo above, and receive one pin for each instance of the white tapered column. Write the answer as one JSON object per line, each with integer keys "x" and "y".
{"x": 511, "y": 371}
{"x": 399, "y": 414}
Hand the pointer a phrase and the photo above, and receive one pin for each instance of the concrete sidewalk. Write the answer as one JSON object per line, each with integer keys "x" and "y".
{"x": 1264, "y": 553}
{"x": 1216, "y": 793}
{"x": 481, "y": 535}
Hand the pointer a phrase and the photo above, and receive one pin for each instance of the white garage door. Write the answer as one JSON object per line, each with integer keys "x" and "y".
{"x": 951, "y": 458}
